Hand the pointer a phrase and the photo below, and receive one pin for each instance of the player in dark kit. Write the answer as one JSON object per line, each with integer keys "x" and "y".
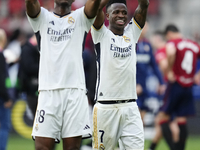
{"x": 182, "y": 57}
{"x": 28, "y": 72}
{"x": 158, "y": 42}
{"x": 145, "y": 60}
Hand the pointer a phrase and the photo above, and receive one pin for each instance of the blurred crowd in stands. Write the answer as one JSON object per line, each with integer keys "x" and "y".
{"x": 12, "y": 13}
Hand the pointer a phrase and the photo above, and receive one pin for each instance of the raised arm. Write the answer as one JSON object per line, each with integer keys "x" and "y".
{"x": 91, "y": 8}
{"x": 171, "y": 56}
{"x": 32, "y": 8}
{"x": 100, "y": 15}
{"x": 141, "y": 12}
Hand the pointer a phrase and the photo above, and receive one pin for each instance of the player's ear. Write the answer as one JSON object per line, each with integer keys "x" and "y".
{"x": 107, "y": 16}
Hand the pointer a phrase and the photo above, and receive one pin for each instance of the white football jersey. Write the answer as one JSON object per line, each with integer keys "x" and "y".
{"x": 116, "y": 62}
{"x": 61, "y": 41}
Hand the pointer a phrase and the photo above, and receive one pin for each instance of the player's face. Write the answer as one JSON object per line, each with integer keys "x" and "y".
{"x": 169, "y": 35}
{"x": 117, "y": 15}
{"x": 3, "y": 38}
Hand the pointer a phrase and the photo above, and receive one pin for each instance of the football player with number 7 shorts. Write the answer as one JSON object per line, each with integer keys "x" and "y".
{"x": 116, "y": 116}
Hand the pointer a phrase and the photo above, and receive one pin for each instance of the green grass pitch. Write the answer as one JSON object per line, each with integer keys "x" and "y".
{"x": 17, "y": 142}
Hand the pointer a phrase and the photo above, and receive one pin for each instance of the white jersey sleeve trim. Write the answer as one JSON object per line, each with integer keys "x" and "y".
{"x": 136, "y": 29}
{"x": 137, "y": 24}
{"x": 85, "y": 19}
{"x": 36, "y": 22}
{"x": 36, "y": 16}
{"x": 97, "y": 29}
{"x": 97, "y": 35}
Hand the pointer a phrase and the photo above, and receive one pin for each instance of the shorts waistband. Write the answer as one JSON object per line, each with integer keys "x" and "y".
{"x": 117, "y": 101}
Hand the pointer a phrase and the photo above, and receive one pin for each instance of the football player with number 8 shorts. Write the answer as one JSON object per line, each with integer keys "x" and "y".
{"x": 62, "y": 110}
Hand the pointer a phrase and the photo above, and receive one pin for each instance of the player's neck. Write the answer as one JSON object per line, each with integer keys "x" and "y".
{"x": 62, "y": 11}
{"x": 117, "y": 31}
{"x": 177, "y": 36}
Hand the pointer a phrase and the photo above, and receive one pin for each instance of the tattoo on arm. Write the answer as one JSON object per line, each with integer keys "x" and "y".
{"x": 141, "y": 12}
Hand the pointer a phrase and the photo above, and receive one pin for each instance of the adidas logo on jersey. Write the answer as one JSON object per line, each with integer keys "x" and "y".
{"x": 86, "y": 127}
{"x": 113, "y": 40}
{"x": 101, "y": 94}
{"x": 52, "y": 22}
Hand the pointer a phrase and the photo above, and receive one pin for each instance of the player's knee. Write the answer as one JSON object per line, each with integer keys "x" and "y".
{"x": 44, "y": 145}
{"x": 164, "y": 116}
{"x": 41, "y": 147}
{"x": 72, "y": 148}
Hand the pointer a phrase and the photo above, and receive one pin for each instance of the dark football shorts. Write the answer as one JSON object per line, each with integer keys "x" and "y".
{"x": 178, "y": 100}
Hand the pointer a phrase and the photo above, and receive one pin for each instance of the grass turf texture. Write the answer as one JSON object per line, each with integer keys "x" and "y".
{"x": 17, "y": 142}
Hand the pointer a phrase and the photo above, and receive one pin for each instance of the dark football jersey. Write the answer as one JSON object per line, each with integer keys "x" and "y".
{"x": 187, "y": 53}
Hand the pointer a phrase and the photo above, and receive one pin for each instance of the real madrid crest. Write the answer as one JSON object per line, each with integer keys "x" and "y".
{"x": 127, "y": 39}
{"x": 36, "y": 127}
{"x": 101, "y": 147}
{"x": 71, "y": 20}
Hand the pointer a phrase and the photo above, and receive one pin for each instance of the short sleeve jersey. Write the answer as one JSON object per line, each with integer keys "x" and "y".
{"x": 116, "y": 62}
{"x": 187, "y": 53}
{"x": 61, "y": 44}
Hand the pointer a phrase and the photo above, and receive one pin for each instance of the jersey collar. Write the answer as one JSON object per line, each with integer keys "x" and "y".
{"x": 59, "y": 16}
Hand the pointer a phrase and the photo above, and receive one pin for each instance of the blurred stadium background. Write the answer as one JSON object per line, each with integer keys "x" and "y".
{"x": 183, "y": 13}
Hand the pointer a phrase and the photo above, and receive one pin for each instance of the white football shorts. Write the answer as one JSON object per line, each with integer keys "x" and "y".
{"x": 117, "y": 122}
{"x": 62, "y": 113}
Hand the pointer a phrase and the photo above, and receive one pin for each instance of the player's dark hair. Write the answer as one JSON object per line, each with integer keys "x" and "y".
{"x": 114, "y": 1}
{"x": 160, "y": 34}
{"x": 171, "y": 27}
